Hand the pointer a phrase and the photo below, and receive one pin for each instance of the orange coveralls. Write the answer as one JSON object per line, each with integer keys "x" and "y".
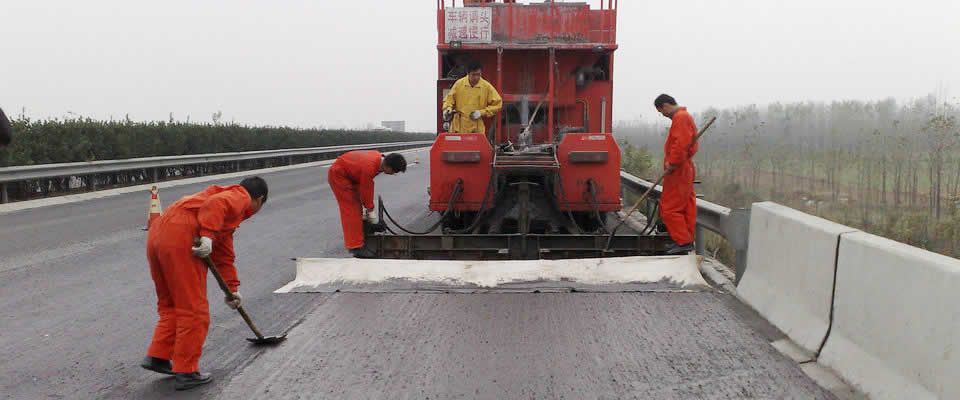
{"x": 181, "y": 278}
{"x": 678, "y": 204}
{"x": 351, "y": 179}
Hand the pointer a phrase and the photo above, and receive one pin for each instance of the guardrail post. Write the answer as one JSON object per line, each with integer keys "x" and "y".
{"x": 4, "y": 197}
{"x": 92, "y": 182}
{"x": 700, "y": 240}
{"x": 739, "y": 238}
{"x": 156, "y": 175}
{"x": 623, "y": 193}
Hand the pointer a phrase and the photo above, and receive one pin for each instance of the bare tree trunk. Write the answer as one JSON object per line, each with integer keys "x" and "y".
{"x": 956, "y": 183}
{"x": 898, "y": 172}
{"x": 931, "y": 194}
{"x": 813, "y": 173}
{"x": 773, "y": 175}
{"x": 914, "y": 186}
{"x": 938, "y": 187}
{"x": 831, "y": 175}
{"x": 883, "y": 180}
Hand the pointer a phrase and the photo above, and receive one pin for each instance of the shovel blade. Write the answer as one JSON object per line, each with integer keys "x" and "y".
{"x": 267, "y": 340}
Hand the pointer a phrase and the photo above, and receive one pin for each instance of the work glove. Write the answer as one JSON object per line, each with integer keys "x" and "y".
{"x": 476, "y": 115}
{"x": 368, "y": 215}
{"x": 447, "y": 114}
{"x": 204, "y": 248}
{"x": 232, "y": 301}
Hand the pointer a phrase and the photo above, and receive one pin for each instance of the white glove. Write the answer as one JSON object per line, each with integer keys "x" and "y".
{"x": 204, "y": 248}
{"x": 475, "y": 115}
{"x": 232, "y": 302}
{"x": 447, "y": 113}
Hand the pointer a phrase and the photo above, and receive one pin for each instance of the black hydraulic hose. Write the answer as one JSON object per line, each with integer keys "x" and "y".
{"x": 563, "y": 197}
{"x": 407, "y": 231}
{"x": 595, "y": 204}
{"x": 651, "y": 220}
{"x": 454, "y": 196}
{"x": 483, "y": 204}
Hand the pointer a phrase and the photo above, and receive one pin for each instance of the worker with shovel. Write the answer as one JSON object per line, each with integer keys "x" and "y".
{"x": 678, "y": 203}
{"x": 197, "y": 226}
{"x": 351, "y": 179}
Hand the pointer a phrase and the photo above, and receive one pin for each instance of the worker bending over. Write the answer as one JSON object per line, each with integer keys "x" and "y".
{"x": 678, "y": 203}
{"x": 351, "y": 179}
{"x": 470, "y": 100}
{"x": 180, "y": 275}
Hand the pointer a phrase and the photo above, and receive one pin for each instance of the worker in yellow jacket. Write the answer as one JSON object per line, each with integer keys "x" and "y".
{"x": 470, "y": 100}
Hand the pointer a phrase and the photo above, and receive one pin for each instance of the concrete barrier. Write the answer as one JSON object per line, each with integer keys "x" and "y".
{"x": 896, "y": 321}
{"x": 790, "y": 269}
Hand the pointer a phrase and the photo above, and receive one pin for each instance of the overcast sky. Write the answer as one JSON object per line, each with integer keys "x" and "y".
{"x": 349, "y": 63}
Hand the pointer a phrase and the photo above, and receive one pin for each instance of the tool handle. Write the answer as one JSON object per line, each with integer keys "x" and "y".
{"x": 216, "y": 274}
{"x": 663, "y": 175}
{"x": 249, "y": 321}
{"x": 228, "y": 293}
{"x": 704, "y": 129}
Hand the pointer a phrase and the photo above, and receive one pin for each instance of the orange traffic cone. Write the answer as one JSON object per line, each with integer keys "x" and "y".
{"x": 155, "y": 209}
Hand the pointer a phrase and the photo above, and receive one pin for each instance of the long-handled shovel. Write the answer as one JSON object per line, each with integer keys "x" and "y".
{"x": 260, "y": 339}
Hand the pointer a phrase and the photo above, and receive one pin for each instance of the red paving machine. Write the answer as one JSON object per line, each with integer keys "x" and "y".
{"x": 543, "y": 181}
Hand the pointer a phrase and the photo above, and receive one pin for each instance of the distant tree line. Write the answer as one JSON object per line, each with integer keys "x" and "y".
{"x": 84, "y": 139}
{"x": 886, "y": 167}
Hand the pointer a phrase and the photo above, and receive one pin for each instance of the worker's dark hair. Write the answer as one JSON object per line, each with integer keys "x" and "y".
{"x": 6, "y": 133}
{"x": 474, "y": 65}
{"x": 396, "y": 162}
{"x": 664, "y": 99}
{"x": 256, "y": 186}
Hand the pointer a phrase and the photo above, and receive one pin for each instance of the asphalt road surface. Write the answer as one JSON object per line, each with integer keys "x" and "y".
{"x": 77, "y": 309}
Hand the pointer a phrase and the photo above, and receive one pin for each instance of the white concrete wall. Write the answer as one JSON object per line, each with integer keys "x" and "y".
{"x": 896, "y": 322}
{"x": 790, "y": 271}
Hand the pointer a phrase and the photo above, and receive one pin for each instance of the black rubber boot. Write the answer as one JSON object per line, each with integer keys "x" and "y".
{"x": 678, "y": 249}
{"x": 369, "y": 229}
{"x": 191, "y": 380}
{"x": 158, "y": 365}
{"x": 362, "y": 252}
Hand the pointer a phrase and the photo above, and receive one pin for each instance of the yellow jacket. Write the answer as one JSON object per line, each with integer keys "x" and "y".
{"x": 467, "y": 99}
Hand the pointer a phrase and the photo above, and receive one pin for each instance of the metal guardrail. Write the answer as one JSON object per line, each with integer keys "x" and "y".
{"x": 10, "y": 175}
{"x": 732, "y": 224}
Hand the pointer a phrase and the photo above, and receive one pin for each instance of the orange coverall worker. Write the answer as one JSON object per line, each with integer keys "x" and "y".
{"x": 351, "y": 179}
{"x": 466, "y": 99}
{"x": 181, "y": 278}
{"x": 678, "y": 203}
